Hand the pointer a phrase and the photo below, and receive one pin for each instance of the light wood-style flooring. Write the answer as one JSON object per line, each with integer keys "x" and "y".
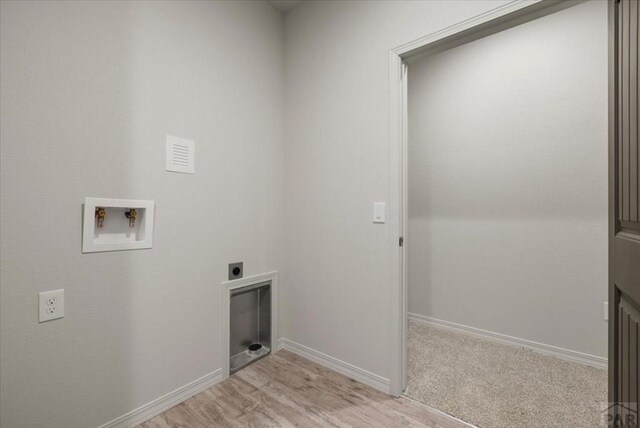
{"x": 286, "y": 390}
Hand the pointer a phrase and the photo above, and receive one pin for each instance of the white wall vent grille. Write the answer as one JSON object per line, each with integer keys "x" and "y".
{"x": 180, "y": 155}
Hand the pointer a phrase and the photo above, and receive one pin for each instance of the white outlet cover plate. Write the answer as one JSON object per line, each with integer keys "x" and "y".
{"x": 50, "y": 305}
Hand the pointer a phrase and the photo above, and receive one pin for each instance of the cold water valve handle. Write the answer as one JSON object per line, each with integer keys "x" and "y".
{"x": 131, "y": 215}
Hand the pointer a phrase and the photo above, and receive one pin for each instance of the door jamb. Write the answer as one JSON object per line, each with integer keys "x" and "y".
{"x": 492, "y": 21}
{"x": 613, "y": 206}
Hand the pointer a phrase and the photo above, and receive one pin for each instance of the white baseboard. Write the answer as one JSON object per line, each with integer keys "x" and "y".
{"x": 159, "y": 405}
{"x": 373, "y": 380}
{"x": 542, "y": 348}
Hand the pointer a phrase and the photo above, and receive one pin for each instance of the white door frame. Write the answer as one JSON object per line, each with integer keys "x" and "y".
{"x": 498, "y": 19}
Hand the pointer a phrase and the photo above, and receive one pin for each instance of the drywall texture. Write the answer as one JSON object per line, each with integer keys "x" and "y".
{"x": 89, "y": 91}
{"x": 507, "y": 181}
{"x": 335, "y": 283}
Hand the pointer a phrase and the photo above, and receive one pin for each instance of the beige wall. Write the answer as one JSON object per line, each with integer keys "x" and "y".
{"x": 89, "y": 91}
{"x": 508, "y": 182}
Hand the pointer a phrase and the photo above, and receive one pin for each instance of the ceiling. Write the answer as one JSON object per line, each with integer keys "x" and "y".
{"x": 284, "y": 6}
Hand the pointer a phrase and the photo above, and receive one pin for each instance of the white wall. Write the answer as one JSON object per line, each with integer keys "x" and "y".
{"x": 507, "y": 181}
{"x": 335, "y": 284}
{"x": 89, "y": 91}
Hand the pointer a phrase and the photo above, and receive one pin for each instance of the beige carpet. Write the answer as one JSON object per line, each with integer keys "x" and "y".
{"x": 493, "y": 385}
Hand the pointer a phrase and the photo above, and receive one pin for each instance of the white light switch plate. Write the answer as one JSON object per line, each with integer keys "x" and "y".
{"x": 379, "y": 212}
{"x": 50, "y": 305}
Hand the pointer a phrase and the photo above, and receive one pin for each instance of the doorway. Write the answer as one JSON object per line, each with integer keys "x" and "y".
{"x": 498, "y": 203}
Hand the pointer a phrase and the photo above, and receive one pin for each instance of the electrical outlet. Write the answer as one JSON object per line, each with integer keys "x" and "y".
{"x": 50, "y": 305}
{"x": 235, "y": 270}
{"x": 606, "y": 311}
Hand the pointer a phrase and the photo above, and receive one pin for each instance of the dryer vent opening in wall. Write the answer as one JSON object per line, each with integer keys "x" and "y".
{"x": 249, "y": 309}
{"x": 180, "y": 155}
{"x": 250, "y": 325}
